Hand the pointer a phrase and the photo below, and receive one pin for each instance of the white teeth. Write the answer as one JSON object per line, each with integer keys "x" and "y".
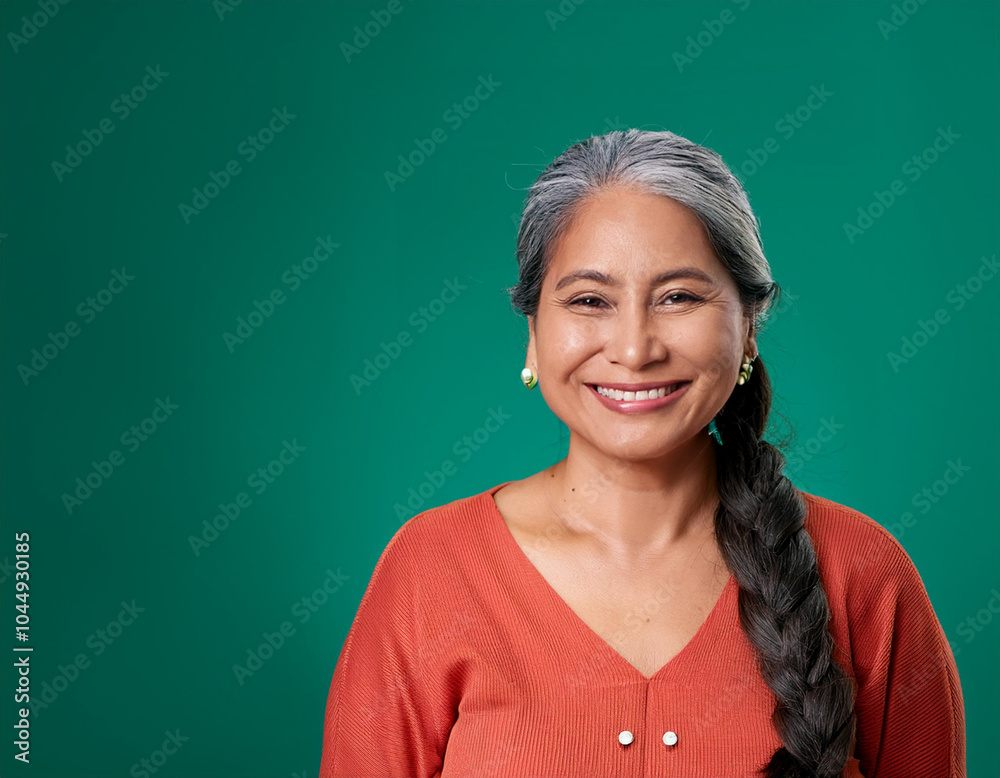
{"x": 650, "y": 394}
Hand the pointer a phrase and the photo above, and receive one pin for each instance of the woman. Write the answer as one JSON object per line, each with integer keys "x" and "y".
{"x": 663, "y": 601}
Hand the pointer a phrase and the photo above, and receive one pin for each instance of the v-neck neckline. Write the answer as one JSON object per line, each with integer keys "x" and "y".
{"x": 540, "y": 582}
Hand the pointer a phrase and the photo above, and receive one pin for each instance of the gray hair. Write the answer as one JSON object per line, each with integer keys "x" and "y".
{"x": 660, "y": 163}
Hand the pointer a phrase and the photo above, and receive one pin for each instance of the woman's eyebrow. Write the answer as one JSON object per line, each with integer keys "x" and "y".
{"x": 608, "y": 280}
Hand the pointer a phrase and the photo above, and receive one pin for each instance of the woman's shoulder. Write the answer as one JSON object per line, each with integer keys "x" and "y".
{"x": 438, "y": 535}
{"x": 857, "y": 556}
{"x": 833, "y": 522}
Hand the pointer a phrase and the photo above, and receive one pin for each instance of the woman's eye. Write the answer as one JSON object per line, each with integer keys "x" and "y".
{"x": 581, "y": 300}
{"x": 685, "y": 297}
{"x": 589, "y": 301}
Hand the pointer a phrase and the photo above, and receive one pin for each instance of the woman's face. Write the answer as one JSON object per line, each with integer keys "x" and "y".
{"x": 634, "y": 325}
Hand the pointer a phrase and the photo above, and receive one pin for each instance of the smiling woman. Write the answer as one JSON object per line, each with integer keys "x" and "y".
{"x": 663, "y": 601}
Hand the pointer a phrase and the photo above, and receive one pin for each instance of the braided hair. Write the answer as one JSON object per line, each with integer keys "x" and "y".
{"x": 760, "y": 520}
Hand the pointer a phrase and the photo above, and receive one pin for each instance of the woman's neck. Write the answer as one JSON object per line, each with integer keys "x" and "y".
{"x": 636, "y": 509}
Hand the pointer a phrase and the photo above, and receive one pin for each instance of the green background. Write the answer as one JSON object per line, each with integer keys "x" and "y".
{"x": 559, "y": 78}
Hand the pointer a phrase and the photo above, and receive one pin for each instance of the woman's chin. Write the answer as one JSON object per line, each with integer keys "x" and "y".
{"x": 637, "y": 451}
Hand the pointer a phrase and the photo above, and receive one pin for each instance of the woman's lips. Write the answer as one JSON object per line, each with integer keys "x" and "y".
{"x": 639, "y": 406}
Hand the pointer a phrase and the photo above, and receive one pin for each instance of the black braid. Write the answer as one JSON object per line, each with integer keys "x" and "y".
{"x": 783, "y": 608}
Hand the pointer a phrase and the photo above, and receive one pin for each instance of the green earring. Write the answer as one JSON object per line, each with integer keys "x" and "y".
{"x": 745, "y": 372}
{"x": 529, "y": 378}
{"x": 714, "y": 432}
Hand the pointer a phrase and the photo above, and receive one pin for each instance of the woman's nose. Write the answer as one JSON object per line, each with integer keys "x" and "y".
{"x": 635, "y": 341}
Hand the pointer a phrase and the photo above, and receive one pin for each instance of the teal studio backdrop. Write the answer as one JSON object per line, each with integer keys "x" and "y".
{"x": 253, "y": 318}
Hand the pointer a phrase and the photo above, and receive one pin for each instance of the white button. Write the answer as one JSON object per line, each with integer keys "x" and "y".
{"x": 670, "y": 738}
{"x": 624, "y": 737}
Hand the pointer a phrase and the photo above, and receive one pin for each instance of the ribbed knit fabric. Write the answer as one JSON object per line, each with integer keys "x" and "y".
{"x": 464, "y": 662}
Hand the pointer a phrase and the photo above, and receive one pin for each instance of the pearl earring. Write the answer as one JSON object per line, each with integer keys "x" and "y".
{"x": 746, "y": 371}
{"x": 529, "y": 378}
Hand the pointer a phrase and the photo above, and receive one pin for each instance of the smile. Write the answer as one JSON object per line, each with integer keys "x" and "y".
{"x": 638, "y": 400}
{"x": 649, "y": 394}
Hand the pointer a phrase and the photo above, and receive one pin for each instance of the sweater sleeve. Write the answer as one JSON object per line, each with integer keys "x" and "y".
{"x": 380, "y": 718}
{"x": 911, "y": 715}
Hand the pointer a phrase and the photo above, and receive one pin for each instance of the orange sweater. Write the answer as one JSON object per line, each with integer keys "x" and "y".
{"x": 463, "y": 661}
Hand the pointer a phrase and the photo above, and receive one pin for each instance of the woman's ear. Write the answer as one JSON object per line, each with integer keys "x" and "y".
{"x": 530, "y": 359}
{"x": 750, "y": 343}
